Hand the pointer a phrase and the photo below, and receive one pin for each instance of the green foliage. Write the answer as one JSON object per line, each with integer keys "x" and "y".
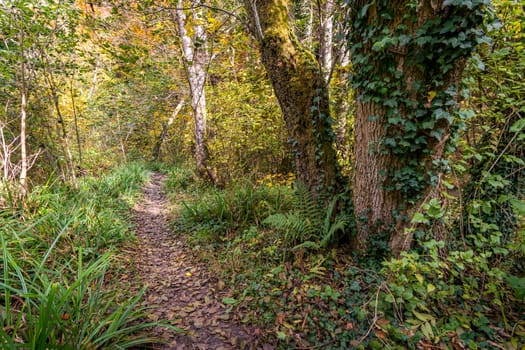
{"x": 39, "y": 38}
{"x": 180, "y": 178}
{"x": 405, "y": 61}
{"x": 249, "y": 135}
{"x": 494, "y": 156}
{"x": 55, "y": 259}
{"x": 308, "y": 225}
{"x": 457, "y": 299}
{"x": 221, "y": 213}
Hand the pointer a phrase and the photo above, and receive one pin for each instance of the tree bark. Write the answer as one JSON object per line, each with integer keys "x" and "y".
{"x": 373, "y": 204}
{"x": 23, "y": 120}
{"x": 196, "y": 58}
{"x": 164, "y": 132}
{"x": 302, "y": 94}
{"x": 327, "y": 33}
{"x": 381, "y": 207}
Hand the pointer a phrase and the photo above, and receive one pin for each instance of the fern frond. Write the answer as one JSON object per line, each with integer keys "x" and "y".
{"x": 295, "y": 227}
{"x": 308, "y": 226}
{"x": 306, "y": 206}
{"x": 307, "y": 245}
{"x": 339, "y": 224}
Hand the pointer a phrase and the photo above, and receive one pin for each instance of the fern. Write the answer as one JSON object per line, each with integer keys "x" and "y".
{"x": 308, "y": 226}
{"x": 331, "y": 227}
{"x": 295, "y": 227}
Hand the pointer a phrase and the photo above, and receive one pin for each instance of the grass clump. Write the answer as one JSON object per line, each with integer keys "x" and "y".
{"x": 219, "y": 215}
{"x": 180, "y": 178}
{"x": 55, "y": 258}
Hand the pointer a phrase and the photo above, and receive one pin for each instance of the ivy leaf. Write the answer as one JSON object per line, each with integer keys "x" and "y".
{"x": 429, "y": 124}
{"x": 518, "y": 284}
{"x": 442, "y": 114}
{"x": 438, "y": 134}
{"x": 391, "y": 102}
{"x": 518, "y": 206}
{"x": 434, "y": 209}
{"x": 229, "y": 301}
{"x": 395, "y": 120}
{"x": 518, "y": 125}
{"x": 390, "y": 141}
{"x": 364, "y": 10}
{"x": 419, "y": 218}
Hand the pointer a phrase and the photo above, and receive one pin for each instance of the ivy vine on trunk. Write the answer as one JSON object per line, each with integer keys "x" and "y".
{"x": 408, "y": 57}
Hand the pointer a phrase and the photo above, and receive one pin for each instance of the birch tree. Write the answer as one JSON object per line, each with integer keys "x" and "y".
{"x": 196, "y": 58}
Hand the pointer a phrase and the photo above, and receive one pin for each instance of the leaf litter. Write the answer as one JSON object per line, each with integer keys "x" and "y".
{"x": 181, "y": 291}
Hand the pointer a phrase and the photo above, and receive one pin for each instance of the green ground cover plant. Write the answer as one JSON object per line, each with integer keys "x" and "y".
{"x": 56, "y": 255}
{"x": 303, "y": 290}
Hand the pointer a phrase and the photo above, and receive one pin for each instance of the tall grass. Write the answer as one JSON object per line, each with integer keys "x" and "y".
{"x": 217, "y": 213}
{"x": 55, "y": 259}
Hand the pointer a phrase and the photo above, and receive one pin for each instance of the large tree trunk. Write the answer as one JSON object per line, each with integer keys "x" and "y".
{"x": 302, "y": 93}
{"x": 372, "y": 202}
{"x": 406, "y": 97}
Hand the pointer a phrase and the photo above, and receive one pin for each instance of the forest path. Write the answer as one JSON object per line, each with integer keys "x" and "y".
{"x": 180, "y": 289}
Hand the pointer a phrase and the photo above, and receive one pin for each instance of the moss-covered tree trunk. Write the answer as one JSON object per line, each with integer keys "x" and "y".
{"x": 408, "y": 58}
{"x": 302, "y": 93}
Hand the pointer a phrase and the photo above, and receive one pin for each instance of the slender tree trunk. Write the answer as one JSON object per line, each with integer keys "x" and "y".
{"x": 164, "y": 132}
{"x": 63, "y": 132}
{"x": 23, "y": 120}
{"x": 196, "y": 58}
{"x": 75, "y": 119}
{"x": 60, "y": 119}
{"x": 121, "y": 139}
{"x": 310, "y": 26}
{"x": 94, "y": 80}
{"x": 327, "y": 33}
{"x": 302, "y": 93}
{"x": 6, "y": 155}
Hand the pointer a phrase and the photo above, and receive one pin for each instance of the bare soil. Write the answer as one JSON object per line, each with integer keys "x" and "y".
{"x": 180, "y": 288}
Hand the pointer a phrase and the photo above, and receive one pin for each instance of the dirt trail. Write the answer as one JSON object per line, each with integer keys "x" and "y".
{"x": 180, "y": 288}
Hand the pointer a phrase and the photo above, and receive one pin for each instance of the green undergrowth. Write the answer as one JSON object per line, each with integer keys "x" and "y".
{"x": 220, "y": 215}
{"x": 293, "y": 277}
{"x": 56, "y": 256}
